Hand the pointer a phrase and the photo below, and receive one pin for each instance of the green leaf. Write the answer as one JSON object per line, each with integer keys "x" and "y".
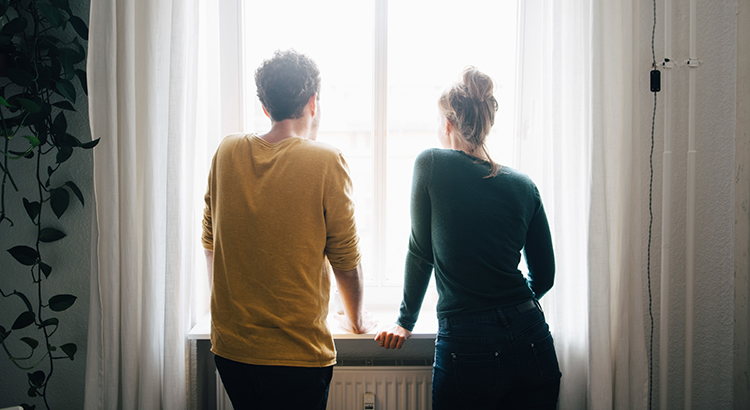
{"x": 59, "y": 200}
{"x": 82, "y": 79}
{"x": 32, "y": 208}
{"x": 23, "y": 320}
{"x": 24, "y": 254}
{"x": 29, "y": 105}
{"x": 90, "y": 144}
{"x": 60, "y": 124}
{"x": 48, "y": 235}
{"x": 66, "y": 89}
{"x": 63, "y": 153}
{"x": 62, "y": 4}
{"x": 5, "y": 103}
{"x": 72, "y": 56}
{"x": 53, "y": 321}
{"x": 25, "y": 154}
{"x": 51, "y": 13}
{"x": 14, "y": 26}
{"x": 36, "y": 379}
{"x": 64, "y": 105}
{"x": 58, "y": 303}
{"x": 24, "y": 299}
{"x": 69, "y": 349}
{"x": 32, "y": 392}
{"x": 4, "y": 6}
{"x": 80, "y": 27}
{"x": 19, "y": 76}
{"x": 4, "y": 334}
{"x": 34, "y": 141}
{"x": 68, "y": 140}
{"x": 67, "y": 65}
{"x": 31, "y": 342}
{"x": 77, "y": 192}
{"x": 46, "y": 269}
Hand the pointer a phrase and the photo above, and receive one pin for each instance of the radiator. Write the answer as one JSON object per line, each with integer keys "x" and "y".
{"x": 393, "y": 387}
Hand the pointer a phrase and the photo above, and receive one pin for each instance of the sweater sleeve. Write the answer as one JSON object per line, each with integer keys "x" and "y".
{"x": 539, "y": 254}
{"x": 419, "y": 258}
{"x": 342, "y": 242}
{"x": 207, "y": 237}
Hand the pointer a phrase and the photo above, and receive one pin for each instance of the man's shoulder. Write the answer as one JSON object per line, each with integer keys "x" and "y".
{"x": 231, "y": 140}
{"x": 319, "y": 147}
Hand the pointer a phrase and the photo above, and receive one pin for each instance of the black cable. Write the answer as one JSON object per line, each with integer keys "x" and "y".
{"x": 648, "y": 259}
{"x": 651, "y": 223}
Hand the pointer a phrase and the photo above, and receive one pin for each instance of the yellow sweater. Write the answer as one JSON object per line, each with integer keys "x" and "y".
{"x": 274, "y": 212}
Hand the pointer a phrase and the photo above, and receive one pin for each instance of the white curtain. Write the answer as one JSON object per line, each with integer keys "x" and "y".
{"x": 618, "y": 356}
{"x": 575, "y": 138}
{"x": 142, "y": 68}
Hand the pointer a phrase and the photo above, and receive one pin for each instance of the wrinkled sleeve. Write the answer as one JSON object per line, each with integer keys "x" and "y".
{"x": 342, "y": 242}
{"x": 207, "y": 237}
{"x": 419, "y": 258}
{"x": 539, "y": 254}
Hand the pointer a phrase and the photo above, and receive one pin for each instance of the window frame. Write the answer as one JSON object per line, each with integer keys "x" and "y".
{"x": 235, "y": 115}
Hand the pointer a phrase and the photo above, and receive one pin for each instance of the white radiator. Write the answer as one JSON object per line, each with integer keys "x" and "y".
{"x": 394, "y": 388}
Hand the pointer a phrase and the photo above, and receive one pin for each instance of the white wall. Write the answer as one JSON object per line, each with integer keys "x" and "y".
{"x": 742, "y": 212}
{"x": 715, "y": 124}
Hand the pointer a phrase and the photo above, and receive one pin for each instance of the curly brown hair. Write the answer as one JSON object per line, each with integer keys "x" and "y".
{"x": 286, "y": 82}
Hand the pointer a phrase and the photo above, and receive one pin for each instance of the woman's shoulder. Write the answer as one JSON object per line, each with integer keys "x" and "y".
{"x": 515, "y": 175}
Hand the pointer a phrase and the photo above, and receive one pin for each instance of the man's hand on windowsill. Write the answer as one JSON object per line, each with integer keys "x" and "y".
{"x": 369, "y": 323}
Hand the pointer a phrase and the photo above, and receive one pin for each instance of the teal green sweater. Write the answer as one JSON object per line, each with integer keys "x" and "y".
{"x": 472, "y": 230}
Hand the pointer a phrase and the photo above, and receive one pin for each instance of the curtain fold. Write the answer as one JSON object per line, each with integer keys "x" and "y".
{"x": 618, "y": 361}
{"x": 142, "y": 101}
{"x": 576, "y": 114}
{"x": 554, "y": 138}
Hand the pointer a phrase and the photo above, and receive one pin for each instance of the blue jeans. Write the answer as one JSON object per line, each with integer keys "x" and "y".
{"x": 498, "y": 359}
{"x": 274, "y": 387}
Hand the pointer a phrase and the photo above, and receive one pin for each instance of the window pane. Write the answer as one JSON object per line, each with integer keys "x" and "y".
{"x": 337, "y": 34}
{"x": 429, "y": 43}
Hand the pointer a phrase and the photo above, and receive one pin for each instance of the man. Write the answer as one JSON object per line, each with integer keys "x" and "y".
{"x": 278, "y": 210}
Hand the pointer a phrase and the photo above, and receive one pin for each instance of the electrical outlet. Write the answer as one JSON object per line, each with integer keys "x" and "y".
{"x": 369, "y": 401}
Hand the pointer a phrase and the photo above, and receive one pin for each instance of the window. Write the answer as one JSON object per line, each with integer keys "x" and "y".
{"x": 384, "y": 65}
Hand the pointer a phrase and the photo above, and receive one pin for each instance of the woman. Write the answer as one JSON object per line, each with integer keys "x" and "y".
{"x": 470, "y": 220}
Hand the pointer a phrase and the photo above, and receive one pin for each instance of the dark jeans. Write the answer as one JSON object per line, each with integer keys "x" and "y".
{"x": 274, "y": 387}
{"x": 499, "y": 359}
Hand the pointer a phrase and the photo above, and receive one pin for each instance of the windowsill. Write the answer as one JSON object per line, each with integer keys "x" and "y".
{"x": 426, "y": 327}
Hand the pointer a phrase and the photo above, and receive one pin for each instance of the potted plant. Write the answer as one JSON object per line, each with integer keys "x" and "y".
{"x": 42, "y": 56}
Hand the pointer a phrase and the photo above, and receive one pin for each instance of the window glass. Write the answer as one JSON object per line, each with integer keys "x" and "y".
{"x": 337, "y": 34}
{"x": 429, "y": 43}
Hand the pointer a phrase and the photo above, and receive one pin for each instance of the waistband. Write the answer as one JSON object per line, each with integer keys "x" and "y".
{"x": 528, "y": 305}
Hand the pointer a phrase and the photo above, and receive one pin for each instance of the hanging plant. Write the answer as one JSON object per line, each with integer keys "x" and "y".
{"x": 42, "y": 52}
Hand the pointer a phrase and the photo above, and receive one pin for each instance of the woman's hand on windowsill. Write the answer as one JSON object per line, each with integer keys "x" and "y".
{"x": 392, "y": 337}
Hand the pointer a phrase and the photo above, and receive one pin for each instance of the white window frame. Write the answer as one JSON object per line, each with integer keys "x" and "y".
{"x": 235, "y": 116}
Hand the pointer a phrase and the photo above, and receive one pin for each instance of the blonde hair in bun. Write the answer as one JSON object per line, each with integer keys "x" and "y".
{"x": 470, "y": 105}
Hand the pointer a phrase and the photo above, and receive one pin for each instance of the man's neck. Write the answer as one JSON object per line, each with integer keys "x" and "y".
{"x": 291, "y": 128}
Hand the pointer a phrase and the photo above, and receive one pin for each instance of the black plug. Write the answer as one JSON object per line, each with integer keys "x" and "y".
{"x": 655, "y": 81}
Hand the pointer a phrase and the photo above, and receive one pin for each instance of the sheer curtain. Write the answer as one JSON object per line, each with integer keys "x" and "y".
{"x": 142, "y": 68}
{"x": 554, "y": 138}
{"x": 575, "y": 138}
{"x": 618, "y": 359}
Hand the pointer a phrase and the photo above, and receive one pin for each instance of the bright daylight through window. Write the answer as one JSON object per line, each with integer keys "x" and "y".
{"x": 384, "y": 65}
